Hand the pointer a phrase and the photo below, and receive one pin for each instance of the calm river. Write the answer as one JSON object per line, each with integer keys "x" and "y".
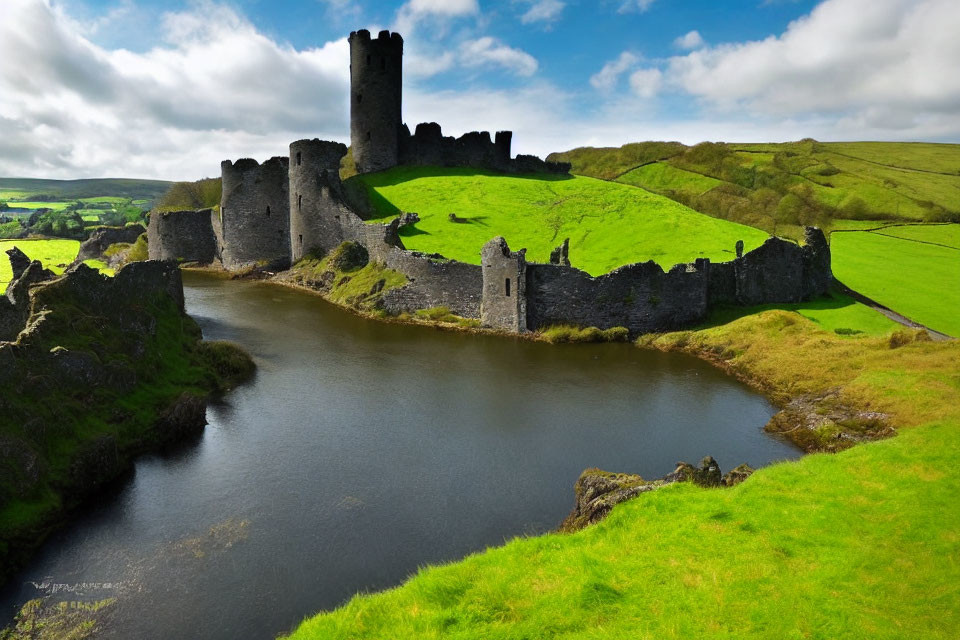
{"x": 364, "y": 450}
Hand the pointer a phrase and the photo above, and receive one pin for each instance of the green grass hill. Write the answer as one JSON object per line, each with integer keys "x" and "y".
{"x": 609, "y": 224}
{"x": 778, "y": 187}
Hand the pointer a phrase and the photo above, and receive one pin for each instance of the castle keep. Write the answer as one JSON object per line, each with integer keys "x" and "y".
{"x": 273, "y": 214}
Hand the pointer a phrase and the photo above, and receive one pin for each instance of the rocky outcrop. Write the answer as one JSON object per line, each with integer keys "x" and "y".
{"x": 597, "y": 491}
{"x": 561, "y": 255}
{"x": 18, "y": 262}
{"x": 93, "y": 247}
{"x": 94, "y": 371}
{"x": 825, "y": 422}
{"x": 15, "y": 305}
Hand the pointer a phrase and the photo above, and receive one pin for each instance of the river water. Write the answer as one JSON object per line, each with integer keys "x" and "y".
{"x": 363, "y": 450}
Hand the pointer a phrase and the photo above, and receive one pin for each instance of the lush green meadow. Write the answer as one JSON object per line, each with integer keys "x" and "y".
{"x": 860, "y": 544}
{"x": 56, "y": 206}
{"x": 51, "y": 253}
{"x": 914, "y": 270}
{"x": 778, "y": 187}
{"x": 609, "y": 225}
{"x": 834, "y": 312}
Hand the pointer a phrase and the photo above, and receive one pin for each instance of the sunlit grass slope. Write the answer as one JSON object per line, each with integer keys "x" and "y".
{"x": 609, "y": 224}
{"x": 50, "y": 252}
{"x": 834, "y": 312}
{"x": 909, "y": 274}
{"x": 861, "y": 544}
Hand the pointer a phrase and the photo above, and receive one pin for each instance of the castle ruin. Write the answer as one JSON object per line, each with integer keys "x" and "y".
{"x": 275, "y": 213}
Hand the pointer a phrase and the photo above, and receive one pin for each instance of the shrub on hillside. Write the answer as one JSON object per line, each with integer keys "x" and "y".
{"x": 185, "y": 196}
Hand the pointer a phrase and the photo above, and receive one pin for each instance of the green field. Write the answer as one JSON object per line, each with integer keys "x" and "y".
{"x": 796, "y": 183}
{"x": 860, "y": 544}
{"x": 909, "y": 274}
{"x": 834, "y": 312}
{"x": 55, "y": 206}
{"x": 660, "y": 176}
{"x": 50, "y": 252}
{"x": 609, "y": 225}
{"x": 70, "y": 190}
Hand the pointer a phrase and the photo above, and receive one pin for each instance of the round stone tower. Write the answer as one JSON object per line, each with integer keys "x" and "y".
{"x": 376, "y": 79}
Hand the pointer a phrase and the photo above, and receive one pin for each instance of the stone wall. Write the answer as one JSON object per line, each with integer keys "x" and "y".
{"x": 429, "y": 147}
{"x": 641, "y": 296}
{"x": 434, "y": 282}
{"x": 182, "y": 235}
{"x": 255, "y": 213}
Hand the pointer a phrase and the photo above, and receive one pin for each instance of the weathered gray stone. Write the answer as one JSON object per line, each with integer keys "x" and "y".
{"x": 376, "y": 89}
{"x": 597, "y": 491}
{"x": 561, "y": 255}
{"x": 737, "y": 475}
{"x": 504, "y": 303}
{"x": 254, "y": 221}
{"x": 18, "y": 261}
{"x": 93, "y": 247}
{"x": 186, "y": 236}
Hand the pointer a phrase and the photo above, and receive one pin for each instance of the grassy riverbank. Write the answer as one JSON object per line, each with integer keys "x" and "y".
{"x": 858, "y": 544}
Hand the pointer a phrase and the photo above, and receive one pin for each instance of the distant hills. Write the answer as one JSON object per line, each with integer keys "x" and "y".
{"x": 59, "y": 190}
{"x": 777, "y": 187}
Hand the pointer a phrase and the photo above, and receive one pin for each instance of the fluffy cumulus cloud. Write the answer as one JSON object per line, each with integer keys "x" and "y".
{"x": 646, "y": 82}
{"x": 690, "y": 40}
{"x": 544, "y": 11}
{"x": 606, "y": 79}
{"x": 488, "y": 51}
{"x": 215, "y": 88}
{"x": 871, "y": 65}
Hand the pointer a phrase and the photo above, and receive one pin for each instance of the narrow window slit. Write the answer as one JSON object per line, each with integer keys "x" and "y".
{"x": 508, "y": 287}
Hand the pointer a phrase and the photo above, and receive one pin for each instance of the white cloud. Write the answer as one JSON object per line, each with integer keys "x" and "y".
{"x": 543, "y": 11}
{"x": 691, "y": 40}
{"x": 216, "y": 88}
{"x": 883, "y": 63}
{"x": 639, "y": 6}
{"x": 445, "y": 7}
{"x": 410, "y": 15}
{"x": 646, "y": 82}
{"x": 606, "y": 79}
{"x": 490, "y": 51}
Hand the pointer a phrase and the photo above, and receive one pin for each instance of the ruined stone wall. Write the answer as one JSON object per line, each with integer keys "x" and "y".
{"x": 255, "y": 213}
{"x": 429, "y": 147}
{"x": 182, "y": 235}
{"x": 504, "y": 301}
{"x": 641, "y": 297}
{"x": 100, "y": 239}
{"x": 434, "y": 282}
{"x": 376, "y": 85}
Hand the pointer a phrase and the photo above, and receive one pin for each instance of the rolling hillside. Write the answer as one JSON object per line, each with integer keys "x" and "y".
{"x": 778, "y": 187}
{"x": 609, "y": 224}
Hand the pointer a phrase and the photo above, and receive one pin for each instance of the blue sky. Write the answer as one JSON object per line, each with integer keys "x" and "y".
{"x": 167, "y": 89}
